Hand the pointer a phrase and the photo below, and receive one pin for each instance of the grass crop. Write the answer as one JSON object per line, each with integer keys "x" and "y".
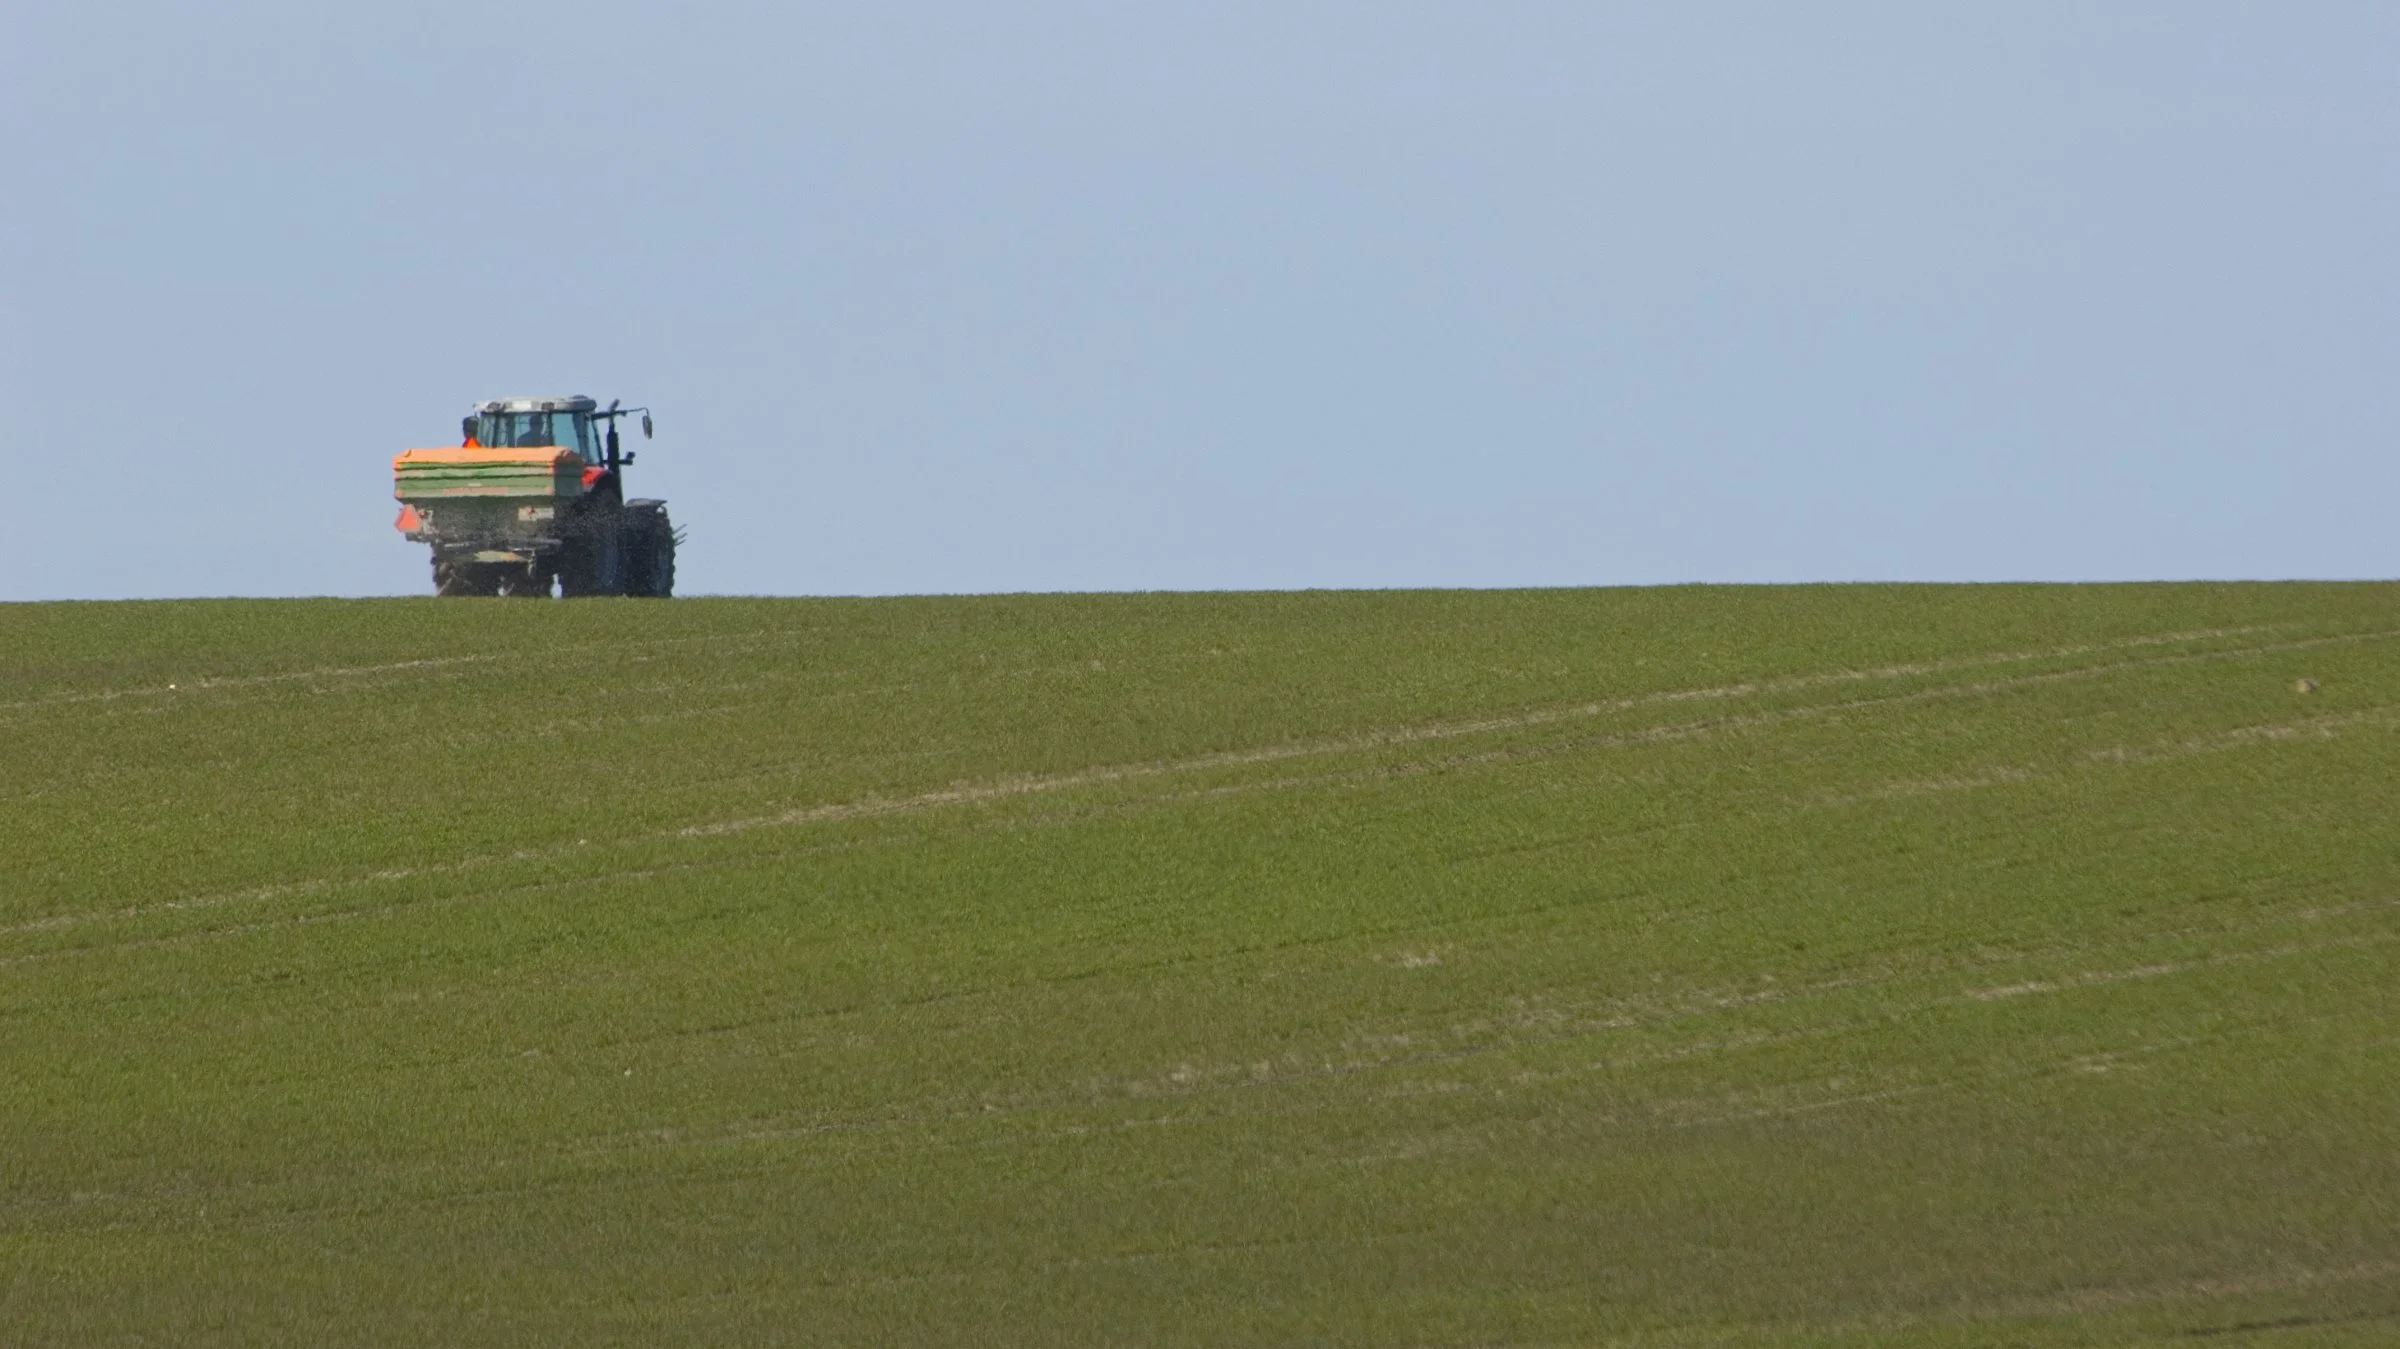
{"x": 1823, "y": 965}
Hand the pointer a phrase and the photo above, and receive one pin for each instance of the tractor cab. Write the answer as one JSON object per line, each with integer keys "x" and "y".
{"x": 574, "y": 423}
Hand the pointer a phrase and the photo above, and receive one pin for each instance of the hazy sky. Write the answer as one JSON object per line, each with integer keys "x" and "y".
{"x": 1041, "y": 296}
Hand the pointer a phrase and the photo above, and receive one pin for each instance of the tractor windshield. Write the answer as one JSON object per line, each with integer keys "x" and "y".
{"x": 527, "y": 430}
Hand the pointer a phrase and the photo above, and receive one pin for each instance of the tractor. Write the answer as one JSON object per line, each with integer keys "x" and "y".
{"x": 532, "y": 501}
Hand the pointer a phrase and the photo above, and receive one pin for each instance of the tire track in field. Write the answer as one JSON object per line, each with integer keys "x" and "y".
{"x": 2321, "y": 728}
{"x": 1019, "y": 787}
{"x": 1379, "y": 1053}
{"x": 2327, "y": 727}
{"x": 1030, "y": 785}
{"x": 2084, "y": 1301}
{"x": 1404, "y": 1050}
{"x": 1982, "y": 1313}
{"x": 638, "y": 652}
{"x": 905, "y": 1129}
{"x": 1187, "y": 1086}
{"x": 1003, "y": 789}
{"x": 208, "y": 683}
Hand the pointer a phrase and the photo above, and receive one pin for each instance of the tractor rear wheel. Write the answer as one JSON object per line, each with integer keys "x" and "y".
{"x": 594, "y": 564}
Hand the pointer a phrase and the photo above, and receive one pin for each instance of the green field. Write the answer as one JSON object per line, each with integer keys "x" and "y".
{"x": 1840, "y": 965}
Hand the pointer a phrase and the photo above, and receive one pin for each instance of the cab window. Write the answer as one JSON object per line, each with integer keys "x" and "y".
{"x": 572, "y": 431}
{"x": 531, "y": 430}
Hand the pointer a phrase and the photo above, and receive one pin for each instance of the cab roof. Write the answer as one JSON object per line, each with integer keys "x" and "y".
{"x": 570, "y": 402}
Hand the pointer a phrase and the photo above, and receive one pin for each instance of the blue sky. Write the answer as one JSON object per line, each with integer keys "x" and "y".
{"x": 1051, "y": 296}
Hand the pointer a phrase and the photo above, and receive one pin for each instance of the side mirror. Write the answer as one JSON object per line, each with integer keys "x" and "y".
{"x": 466, "y": 429}
{"x": 645, "y": 426}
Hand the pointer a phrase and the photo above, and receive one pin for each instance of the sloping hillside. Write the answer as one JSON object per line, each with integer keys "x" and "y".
{"x": 1849, "y": 964}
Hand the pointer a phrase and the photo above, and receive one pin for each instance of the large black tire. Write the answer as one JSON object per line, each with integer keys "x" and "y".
{"x": 593, "y": 525}
{"x": 649, "y": 550}
{"x": 594, "y": 564}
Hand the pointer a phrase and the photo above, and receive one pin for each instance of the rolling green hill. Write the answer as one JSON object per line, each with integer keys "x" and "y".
{"x": 1830, "y": 965}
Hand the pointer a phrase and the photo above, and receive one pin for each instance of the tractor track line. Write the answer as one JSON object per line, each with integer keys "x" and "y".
{"x": 1569, "y": 1019}
{"x": 206, "y": 683}
{"x": 547, "y": 655}
{"x": 973, "y": 793}
{"x": 1010, "y": 788}
{"x": 1026, "y": 785}
{"x": 1015, "y": 788}
{"x": 905, "y": 1130}
{"x": 1191, "y": 1087}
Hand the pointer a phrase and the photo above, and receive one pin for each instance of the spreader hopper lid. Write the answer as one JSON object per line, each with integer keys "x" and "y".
{"x": 481, "y": 456}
